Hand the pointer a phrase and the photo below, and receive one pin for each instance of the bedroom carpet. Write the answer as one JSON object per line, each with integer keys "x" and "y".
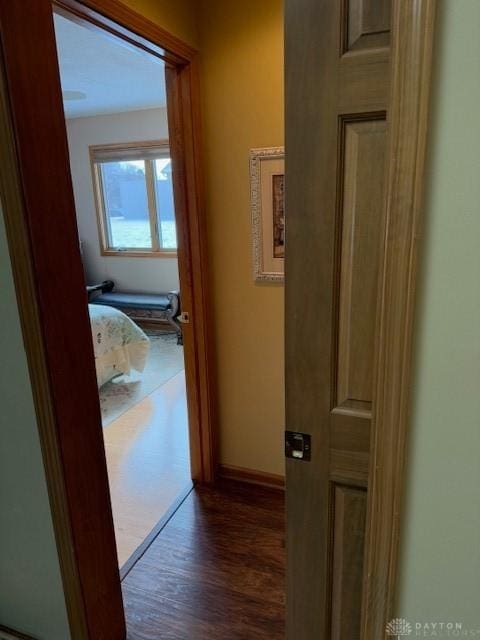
{"x": 165, "y": 360}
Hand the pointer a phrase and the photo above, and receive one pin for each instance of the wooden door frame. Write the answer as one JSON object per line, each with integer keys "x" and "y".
{"x": 42, "y": 236}
{"x": 411, "y": 59}
{"x": 184, "y": 139}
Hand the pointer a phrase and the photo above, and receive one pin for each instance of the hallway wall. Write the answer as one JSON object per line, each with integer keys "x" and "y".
{"x": 241, "y": 52}
{"x": 241, "y": 87}
{"x": 31, "y": 591}
{"x": 178, "y": 18}
{"x": 440, "y": 561}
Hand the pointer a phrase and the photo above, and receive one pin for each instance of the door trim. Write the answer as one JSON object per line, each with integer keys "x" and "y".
{"x": 182, "y": 76}
{"x": 412, "y": 52}
{"x": 37, "y": 196}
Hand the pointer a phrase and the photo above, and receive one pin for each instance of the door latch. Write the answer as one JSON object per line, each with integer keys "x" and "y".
{"x": 298, "y": 445}
{"x": 184, "y": 317}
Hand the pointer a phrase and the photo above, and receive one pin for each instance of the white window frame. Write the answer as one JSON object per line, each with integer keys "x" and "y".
{"x": 148, "y": 152}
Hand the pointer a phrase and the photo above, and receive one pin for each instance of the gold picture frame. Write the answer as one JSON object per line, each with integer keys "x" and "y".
{"x": 267, "y": 187}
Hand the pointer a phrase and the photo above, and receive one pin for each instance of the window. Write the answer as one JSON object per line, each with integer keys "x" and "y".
{"x": 134, "y": 199}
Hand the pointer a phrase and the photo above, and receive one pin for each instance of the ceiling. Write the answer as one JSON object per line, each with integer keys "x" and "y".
{"x": 100, "y": 74}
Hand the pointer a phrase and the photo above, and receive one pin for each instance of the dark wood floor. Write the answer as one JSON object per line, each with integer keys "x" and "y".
{"x": 216, "y": 571}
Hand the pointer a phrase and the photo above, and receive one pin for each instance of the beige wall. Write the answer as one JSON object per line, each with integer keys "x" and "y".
{"x": 440, "y": 561}
{"x": 178, "y": 17}
{"x": 241, "y": 48}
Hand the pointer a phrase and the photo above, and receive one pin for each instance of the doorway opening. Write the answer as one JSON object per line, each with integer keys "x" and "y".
{"x": 115, "y": 106}
{"x": 239, "y": 519}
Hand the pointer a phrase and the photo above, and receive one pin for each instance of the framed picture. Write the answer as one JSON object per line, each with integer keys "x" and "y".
{"x": 267, "y": 184}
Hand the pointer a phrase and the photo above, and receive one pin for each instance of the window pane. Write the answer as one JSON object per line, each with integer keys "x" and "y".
{"x": 126, "y": 204}
{"x": 165, "y": 207}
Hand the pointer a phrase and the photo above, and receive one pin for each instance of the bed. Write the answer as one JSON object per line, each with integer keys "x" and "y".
{"x": 119, "y": 344}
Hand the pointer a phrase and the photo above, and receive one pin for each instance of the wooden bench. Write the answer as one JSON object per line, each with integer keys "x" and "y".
{"x": 154, "y": 308}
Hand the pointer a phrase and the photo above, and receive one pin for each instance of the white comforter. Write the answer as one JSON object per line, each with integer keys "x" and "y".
{"x": 119, "y": 344}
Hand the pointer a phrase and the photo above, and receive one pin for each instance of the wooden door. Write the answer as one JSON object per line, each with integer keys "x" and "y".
{"x": 338, "y": 105}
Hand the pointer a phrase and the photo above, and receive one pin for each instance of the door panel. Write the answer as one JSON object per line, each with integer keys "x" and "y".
{"x": 337, "y": 89}
{"x": 366, "y": 24}
{"x": 362, "y": 149}
{"x": 349, "y": 506}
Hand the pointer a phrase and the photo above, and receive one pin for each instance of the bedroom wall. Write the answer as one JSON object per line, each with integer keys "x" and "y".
{"x": 31, "y": 594}
{"x": 241, "y": 54}
{"x": 440, "y": 560}
{"x": 130, "y": 274}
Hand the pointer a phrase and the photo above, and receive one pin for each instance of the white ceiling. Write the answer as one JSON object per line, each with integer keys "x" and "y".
{"x": 112, "y": 76}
